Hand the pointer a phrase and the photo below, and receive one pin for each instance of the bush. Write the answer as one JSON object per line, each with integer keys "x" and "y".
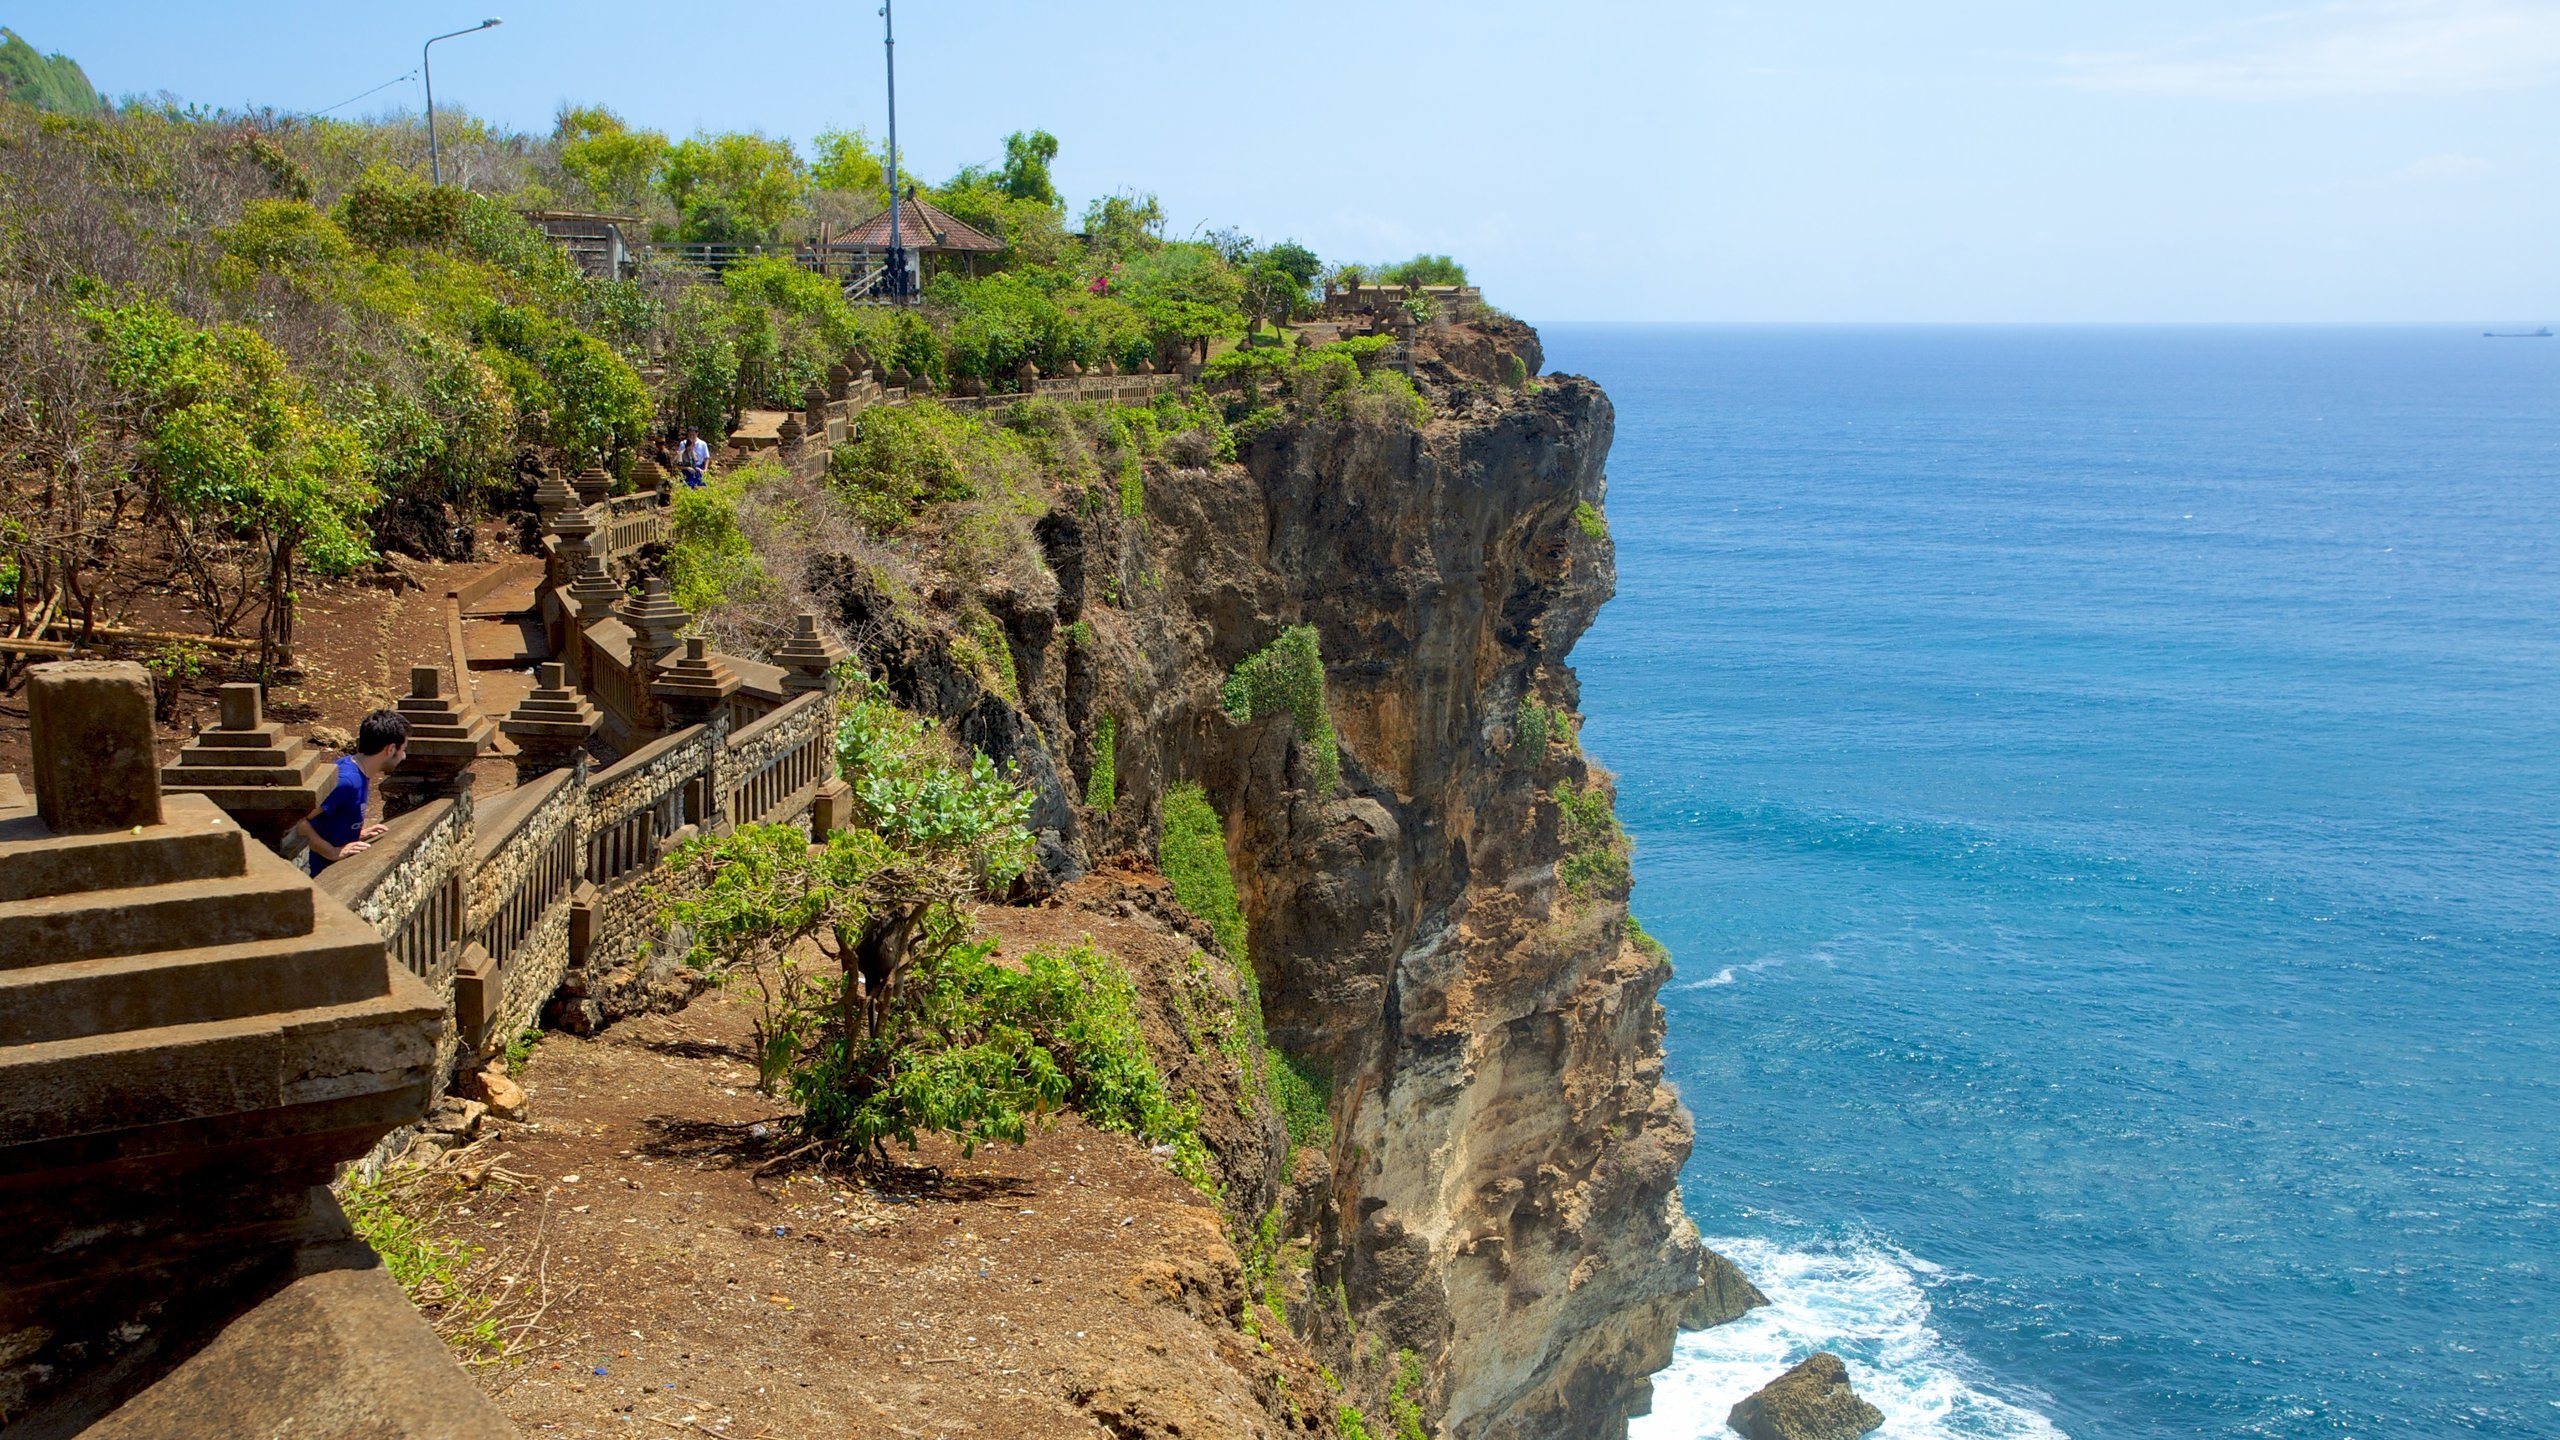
{"x": 708, "y": 558}
{"x": 1589, "y": 520}
{"x": 1596, "y": 851}
{"x": 1288, "y": 674}
{"x": 1303, "y": 1090}
{"x": 1193, "y": 855}
{"x": 1102, "y": 786}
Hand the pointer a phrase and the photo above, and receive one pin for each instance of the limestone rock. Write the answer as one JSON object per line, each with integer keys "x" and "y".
{"x": 1725, "y": 1293}
{"x": 504, "y": 1097}
{"x": 1813, "y": 1401}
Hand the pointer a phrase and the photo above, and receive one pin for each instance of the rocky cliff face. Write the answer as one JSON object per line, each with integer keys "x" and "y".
{"x": 1495, "y": 1233}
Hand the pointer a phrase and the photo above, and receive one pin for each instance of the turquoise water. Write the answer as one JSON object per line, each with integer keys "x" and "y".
{"x": 2102, "y": 790}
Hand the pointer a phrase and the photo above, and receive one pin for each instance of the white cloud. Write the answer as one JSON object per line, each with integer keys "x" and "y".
{"x": 2362, "y": 47}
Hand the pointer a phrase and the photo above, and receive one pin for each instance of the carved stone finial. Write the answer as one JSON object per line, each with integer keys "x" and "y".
{"x": 446, "y": 735}
{"x": 595, "y": 485}
{"x": 809, "y": 658}
{"x": 656, "y": 620}
{"x": 551, "y": 725}
{"x": 695, "y": 687}
{"x": 260, "y": 776}
{"x": 595, "y": 590}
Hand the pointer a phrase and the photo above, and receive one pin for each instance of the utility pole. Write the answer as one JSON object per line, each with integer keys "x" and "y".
{"x": 435, "y": 160}
{"x": 897, "y": 246}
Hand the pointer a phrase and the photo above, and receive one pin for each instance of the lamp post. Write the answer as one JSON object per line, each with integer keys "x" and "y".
{"x": 435, "y": 162}
{"x": 897, "y": 249}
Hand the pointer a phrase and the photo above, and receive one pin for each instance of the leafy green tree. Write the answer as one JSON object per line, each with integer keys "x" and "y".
{"x": 1026, "y": 166}
{"x": 1276, "y": 284}
{"x": 616, "y": 163}
{"x": 732, "y": 187}
{"x": 253, "y": 481}
{"x": 906, "y": 1026}
{"x": 845, "y": 160}
{"x": 1424, "y": 270}
{"x": 1124, "y": 225}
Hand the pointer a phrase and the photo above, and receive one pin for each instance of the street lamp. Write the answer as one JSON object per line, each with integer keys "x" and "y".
{"x": 435, "y": 163}
{"x": 897, "y": 249}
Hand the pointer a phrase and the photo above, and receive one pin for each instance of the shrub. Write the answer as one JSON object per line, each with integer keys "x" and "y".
{"x": 902, "y": 458}
{"x": 1193, "y": 855}
{"x": 388, "y": 209}
{"x": 1596, "y": 852}
{"x": 1303, "y": 1089}
{"x": 1288, "y": 674}
{"x": 1586, "y": 516}
{"x": 1533, "y": 724}
{"x": 1102, "y": 786}
{"x": 708, "y": 558}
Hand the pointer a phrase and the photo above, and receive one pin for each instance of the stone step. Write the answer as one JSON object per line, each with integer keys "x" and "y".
{"x": 339, "y": 963}
{"x": 269, "y": 902}
{"x": 195, "y": 841}
{"x": 100, "y": 1083}
{"x": 504, "y": 644}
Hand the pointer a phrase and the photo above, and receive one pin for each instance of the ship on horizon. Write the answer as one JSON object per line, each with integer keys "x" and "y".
{"x": 2542, "y": 334}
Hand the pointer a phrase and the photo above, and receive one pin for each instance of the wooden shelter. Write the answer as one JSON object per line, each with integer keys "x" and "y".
{"x": 925, "y": 229}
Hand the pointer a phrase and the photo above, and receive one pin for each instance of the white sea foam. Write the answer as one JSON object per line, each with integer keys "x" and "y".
{"x": 1863, "y": 1302}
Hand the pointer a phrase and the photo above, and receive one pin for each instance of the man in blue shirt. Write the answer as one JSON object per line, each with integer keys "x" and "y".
{"x": 337, "y": 829}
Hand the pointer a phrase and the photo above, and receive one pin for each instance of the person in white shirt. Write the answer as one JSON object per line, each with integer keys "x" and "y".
{"x": 692, "y": 457}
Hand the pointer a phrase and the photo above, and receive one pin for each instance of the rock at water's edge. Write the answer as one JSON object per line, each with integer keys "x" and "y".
{"x": 1813, "y": 1401}
{"x": 1724, "y": 1293}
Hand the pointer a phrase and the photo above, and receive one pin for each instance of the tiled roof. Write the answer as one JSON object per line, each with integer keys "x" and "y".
{"x": 922, "y": 225}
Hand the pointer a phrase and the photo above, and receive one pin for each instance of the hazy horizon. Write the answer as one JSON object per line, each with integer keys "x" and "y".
{"x": 1991, "y": 161}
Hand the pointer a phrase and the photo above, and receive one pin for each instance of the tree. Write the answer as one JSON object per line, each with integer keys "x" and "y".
{"x": 1276, "y": 283}
{"x": 1124, "y": 225}
{"x": 1424, "y": 270}
{"x": 251, "y": 480}
{"x": 1026, "y": 166}
{"x": 617, "y": 164}
{"x": 844, "y": 160}
{"x": 732, "y": 188}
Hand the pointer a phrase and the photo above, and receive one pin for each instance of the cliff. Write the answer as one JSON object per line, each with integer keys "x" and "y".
{"x": 1494, "y": 1232}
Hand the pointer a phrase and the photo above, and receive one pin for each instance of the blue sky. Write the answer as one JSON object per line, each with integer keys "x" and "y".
{"x": 1825, "y": 160}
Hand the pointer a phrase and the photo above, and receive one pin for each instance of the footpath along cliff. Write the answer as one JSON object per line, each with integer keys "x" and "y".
{"x": 1443, "y": 933}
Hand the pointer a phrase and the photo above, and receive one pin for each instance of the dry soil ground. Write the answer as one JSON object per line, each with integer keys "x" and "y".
{"x": 1071, "y": 1287}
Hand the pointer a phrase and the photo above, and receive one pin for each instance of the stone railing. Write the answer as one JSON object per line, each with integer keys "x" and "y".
{"x": 631, "y": 523}
{"x": 524, "y": 884}
{"x": 494, "y": 904}
{"x": 774, "y": 767}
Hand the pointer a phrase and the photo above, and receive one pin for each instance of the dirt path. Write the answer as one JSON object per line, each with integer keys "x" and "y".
{"x": 1071, "y": 1287}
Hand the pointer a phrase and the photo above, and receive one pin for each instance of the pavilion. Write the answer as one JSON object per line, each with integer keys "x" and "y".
{"x": 926, "y": 230}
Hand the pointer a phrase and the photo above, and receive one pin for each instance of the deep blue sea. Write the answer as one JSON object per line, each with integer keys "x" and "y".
{"x": 2102, "y": 790}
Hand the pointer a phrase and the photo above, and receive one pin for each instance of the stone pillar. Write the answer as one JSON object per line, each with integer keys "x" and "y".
{"x": 553, "y": 498}
{"x": 208, "y": 1037}
{"x": 594, "y": 485}
{"x": 576, "y": 529}
{"x": 90, "y": 723}
{"x": 551, "y": 726}
{"x": 790, "y": 434}
{"x": 809, "y": 658}
{"x": 260, "y": 776}
{"x": 696, "y": 687}
{"x": 446, "y": 735}
{"x": 657, "y": 622}
{"x": 595, "y": 592}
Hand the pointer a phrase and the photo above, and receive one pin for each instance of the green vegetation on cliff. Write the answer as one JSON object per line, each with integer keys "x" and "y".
{"x": 1288, "y": 674}
{"x": 47, "y": 82}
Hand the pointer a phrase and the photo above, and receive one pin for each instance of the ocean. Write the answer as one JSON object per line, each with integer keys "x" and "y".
{"x": 2101, "y": 788}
